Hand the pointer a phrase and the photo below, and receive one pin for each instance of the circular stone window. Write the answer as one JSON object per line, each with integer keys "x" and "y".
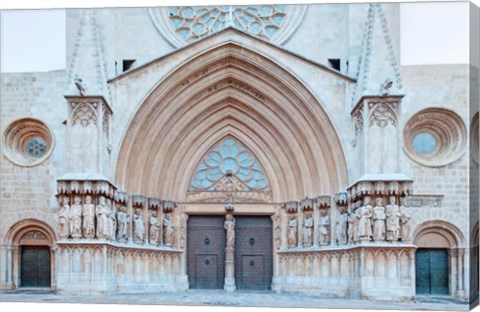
{"x": 27, "y": 142}
{"x": 435, "y": 137}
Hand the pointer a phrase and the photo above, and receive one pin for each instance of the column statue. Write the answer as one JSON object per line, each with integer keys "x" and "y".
{"x": 341, "y": 227}
{"x": 393, "y": 220}
{"x": 365, "y": 221}
{"x": 292, "y": 232}
{"x": 154, "y": 230}
{"x": 230, "y": 227}
{"x": 324, "y": 228}
{"x": 63, "y": 219}
{"x": 76, "y": 218}
{"x": 379, "y": 220}
{"x": 168, "y": 230}
{"x": 308, "y": 230}
{"x": 122, "y": 224}
{"x": 138, "y": 227}
{"x": 88, "y": 218}
{"x": 112, "y": 221}
{"x": 102, "y": 218}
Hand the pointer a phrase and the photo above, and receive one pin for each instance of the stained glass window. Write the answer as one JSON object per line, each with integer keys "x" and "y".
{"x": 36, "y": 147}
{"x": 229, "y": 156}
{"x": 424, "y": 143}
{"x": 192, "y": 23}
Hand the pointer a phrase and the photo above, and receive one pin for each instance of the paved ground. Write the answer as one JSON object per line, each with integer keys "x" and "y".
{"x": 242, "y": 298}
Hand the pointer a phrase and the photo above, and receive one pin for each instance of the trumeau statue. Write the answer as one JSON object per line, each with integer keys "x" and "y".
{"x": 292, "y": 232}
{"x": 379, "y": 220}
{"x": 324, "y": 228}
{"x": 393, "y": 220}
{"x": 365, "y": 221}
{"x": 308, "y": 230}
{"x": 88, "y": 218}
{"x": 341, "y": 227}
{"x": 76, "y": 218}
{"x": 138, "y": 227}
{"x": 230, "y": 227}
{"x": 154, "y": 231}
{"x": 122, "y": 224}
{"x": 168, "y": 230}
{"x": 63, "y": 219}
{"x": 103, "y": 216}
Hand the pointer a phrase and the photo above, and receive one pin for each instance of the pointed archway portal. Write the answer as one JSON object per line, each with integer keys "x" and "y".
{"x": 231, "y": 92}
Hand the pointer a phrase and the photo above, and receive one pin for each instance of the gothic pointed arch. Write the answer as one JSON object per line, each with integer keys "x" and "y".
{"x": 231, "y": 90}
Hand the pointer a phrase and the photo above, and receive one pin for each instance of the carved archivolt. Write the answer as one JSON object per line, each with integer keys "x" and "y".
{"x": 446, "y": 134}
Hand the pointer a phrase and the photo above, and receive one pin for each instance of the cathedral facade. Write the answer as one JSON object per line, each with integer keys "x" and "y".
{"x": 269, "y": 147}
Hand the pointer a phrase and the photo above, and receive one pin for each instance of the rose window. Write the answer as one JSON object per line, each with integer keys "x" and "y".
{"x": 229, "y": 158}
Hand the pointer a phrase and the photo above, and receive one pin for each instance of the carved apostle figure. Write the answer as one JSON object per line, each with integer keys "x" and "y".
{"x": 230, "y": 228}
{"x": 379, "y": 220}
{"x": 63, "y": 219}
{"x": 122, "y": 224}
{"x": 103, "y": 216}
{"x": 138, "y": 227}
{"x": 308, "y": 230}
{"x": 324, "y": 228}
{"x": 406, "y": 228}
{"x": 365, "y": 221}
{"x": 88, "y": 218}
{"x": 76, "y": 218}
{"x": 292, "y": 232}
{"x": 341, "y": 227}
{"x": 112, "y": 221}
{"x": 168, "y": 230}
{"x": 393, "y": 220}
{"x": 154, "y": 230}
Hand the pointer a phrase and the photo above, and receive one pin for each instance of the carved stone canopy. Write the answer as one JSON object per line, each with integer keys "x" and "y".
{"x": 121, "y": 197}
{"x": 341, "y": 198}
{"x": 381, "y": 184}
{"x": 154, "y": 203}
{"x": 291, "y": 206}
{"x": 137, "y": 200}
{"x": 81, "y": 184}
{"x": 307, "y": 203}
{"x": 169, "y": 205}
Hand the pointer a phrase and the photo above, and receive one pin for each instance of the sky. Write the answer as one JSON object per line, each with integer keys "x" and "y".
{"x": 431, "y": 33}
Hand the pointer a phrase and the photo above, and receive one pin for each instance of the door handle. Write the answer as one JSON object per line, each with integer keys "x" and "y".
{"x": 252, "y": 241}
{"x": 252, "y": 263}
{"x": 207, "y": 262}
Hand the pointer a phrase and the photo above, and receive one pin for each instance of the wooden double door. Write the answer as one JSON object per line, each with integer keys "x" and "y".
{"x": 206, "y": 252}
{"x": 432, "y": 271}
{"x": 35, "y": 266}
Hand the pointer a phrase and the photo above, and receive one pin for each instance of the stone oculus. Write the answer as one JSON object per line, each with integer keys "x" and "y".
{"x": 277, "y": 147}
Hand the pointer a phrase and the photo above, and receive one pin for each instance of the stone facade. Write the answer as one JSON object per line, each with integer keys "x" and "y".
{"x": 154, "y": 120}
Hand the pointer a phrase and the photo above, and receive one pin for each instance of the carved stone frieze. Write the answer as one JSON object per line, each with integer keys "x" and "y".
{"x": 417, "y": 201}
{"x": 95, "y": 187}
{"x": 236, "y": 197}
{"x": 365, "y": 187}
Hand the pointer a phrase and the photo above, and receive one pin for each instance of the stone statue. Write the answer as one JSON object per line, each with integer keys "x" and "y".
{"x": 138, "y": 227}
{"x": 154, "y": 231}
{"x": 341, "y": 227}
{"x": 379, "y": 220}
{"x": 88, "y": 218}
{"x": 365, "y": 221}
{"x": 168, "y": 230}
{"x": 112, "y": 221}
{"x": 122, "y": 224}
{"x": 103, "y": 216}
{"x": 63, "y": 219}
{"x": 324, "y": 228}
{"x": 353, "y": 219}
{"x": 393, "y": 220}
{"x": 292, "y": 232}
{"x": 76, "y": 218}
{"x": 230, "y": 227}
{"x": 406, "y": 228}
{"x": 308, "y": 230}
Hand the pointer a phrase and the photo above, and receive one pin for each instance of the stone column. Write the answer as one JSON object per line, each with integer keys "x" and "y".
{"x": 460, "y": 273}
{"x": 230, "y": 249}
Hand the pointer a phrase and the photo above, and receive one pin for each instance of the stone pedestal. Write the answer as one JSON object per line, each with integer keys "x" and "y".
{"x": 229, "y": 269}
